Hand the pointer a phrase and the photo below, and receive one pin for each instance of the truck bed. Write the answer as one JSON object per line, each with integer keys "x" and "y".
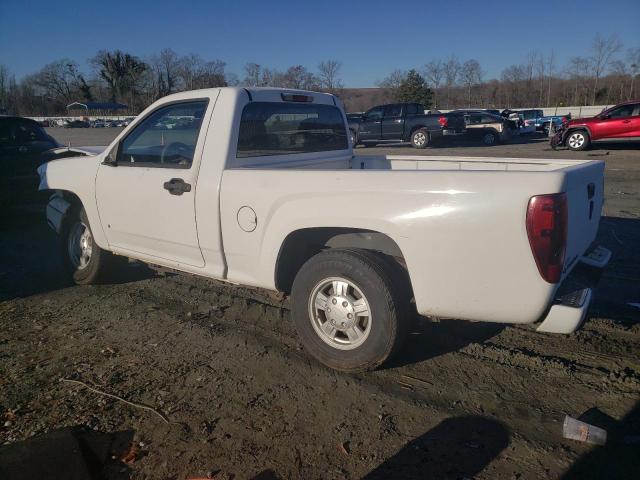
{"x": 433, "y": 162}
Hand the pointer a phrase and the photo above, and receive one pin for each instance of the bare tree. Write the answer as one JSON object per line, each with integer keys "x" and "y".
{"x": 299, "y": 77}
{"x": 451, "y": 70}
{"x": 512, "y": 78}
{"x": 166, "y": 67}
{"x": 603, "y": 50}
{"x": 551, "y": 63}
{"x": 393, "y": 80}
{"x": 633, "y": 59}
{"x": 434, "y": 73}
{"x": 4, "y": 86}
{"x": 252, "y": 77}
{"x": 328, "y": 71}
{"x": 578, "y": 70}
{"x": 471, "y": 75}
{"x": 541, "y": 70}
{"x": 61, "y": 80}
{"x": 621, "y": 73}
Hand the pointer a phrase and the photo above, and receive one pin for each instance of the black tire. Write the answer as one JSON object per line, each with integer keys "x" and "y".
{"x": 420, "y": 138}
{"x": 490, "y": 138}
{"x": 99, "y": 264}
{"x": 545, "y": 128}
{"x": 369, "y": 144}
{"x": 578, "y": 140}
{"x": 386, "y": 299}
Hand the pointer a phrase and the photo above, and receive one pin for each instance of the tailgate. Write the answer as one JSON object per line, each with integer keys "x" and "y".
{"x": 455, "y": 122}
{"x": 584, "y": 186}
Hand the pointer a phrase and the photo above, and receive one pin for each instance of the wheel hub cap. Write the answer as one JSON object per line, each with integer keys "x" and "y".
{"x": 340, "y": 313}
{"x": 576, "y": 140}
{"x": 80, "y": 245}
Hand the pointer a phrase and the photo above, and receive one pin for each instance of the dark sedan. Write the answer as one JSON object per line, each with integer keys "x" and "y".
{"x": 24, "y": 146}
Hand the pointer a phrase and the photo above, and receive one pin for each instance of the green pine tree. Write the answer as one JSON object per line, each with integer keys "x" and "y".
{"x": 414, "y": 89}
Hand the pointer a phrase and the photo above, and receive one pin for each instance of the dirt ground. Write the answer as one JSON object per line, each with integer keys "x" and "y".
{"x": 241, "y": 398}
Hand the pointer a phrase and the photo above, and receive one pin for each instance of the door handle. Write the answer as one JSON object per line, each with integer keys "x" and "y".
{"x": 177, "y": 186}
{"x": 626, "y": 121}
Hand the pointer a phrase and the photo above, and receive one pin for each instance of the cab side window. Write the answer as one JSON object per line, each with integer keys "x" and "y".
{"x": 393, "y": 111}
{"x": 166, "y": 138}
{"x": 374, "y": 114}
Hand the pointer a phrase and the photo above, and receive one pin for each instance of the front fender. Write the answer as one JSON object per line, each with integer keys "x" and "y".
{"x": 572, "y": 128}
{"x": 76, "y": 175}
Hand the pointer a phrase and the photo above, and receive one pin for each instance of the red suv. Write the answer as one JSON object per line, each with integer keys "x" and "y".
{"x": 616, "y": 124}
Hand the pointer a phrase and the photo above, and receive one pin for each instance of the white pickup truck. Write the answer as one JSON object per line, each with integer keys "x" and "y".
{"x": 260, "y": 187}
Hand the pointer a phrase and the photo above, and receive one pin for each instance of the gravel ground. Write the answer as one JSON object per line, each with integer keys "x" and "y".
{"x": 243, "y": 400}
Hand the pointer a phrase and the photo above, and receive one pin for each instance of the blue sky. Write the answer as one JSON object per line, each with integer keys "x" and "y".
{"x": 370, "y": 38}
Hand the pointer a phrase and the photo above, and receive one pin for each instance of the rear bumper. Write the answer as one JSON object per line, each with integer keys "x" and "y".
{"x": 570, "y": 307}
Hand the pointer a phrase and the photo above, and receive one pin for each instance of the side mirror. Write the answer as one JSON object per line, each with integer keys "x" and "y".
{"x": 605, "y": 116}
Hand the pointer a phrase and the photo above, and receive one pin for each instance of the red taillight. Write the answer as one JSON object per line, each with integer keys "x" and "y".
{"x": 443, "y": 121}
{"x": 547, "y": 231}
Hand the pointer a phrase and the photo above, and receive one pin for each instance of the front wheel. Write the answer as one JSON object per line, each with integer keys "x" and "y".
{"x": 83, "y": 259}
{"x": 490, "y": 138}
{"x": 347, "y": 311}
{"x": 353, "y": 138}
{"x": 578, "y": 140}
{"x": 420, "y": 138}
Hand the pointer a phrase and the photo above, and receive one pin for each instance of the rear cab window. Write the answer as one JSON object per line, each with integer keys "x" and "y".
{"x": 279, "y": 128}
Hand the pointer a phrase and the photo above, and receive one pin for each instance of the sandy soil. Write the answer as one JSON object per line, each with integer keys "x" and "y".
{"x": 243, "y": 400}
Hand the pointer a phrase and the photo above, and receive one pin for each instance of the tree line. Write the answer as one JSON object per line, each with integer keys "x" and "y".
{"x": 606, "y": 74}
{"x": 122, "y": 77}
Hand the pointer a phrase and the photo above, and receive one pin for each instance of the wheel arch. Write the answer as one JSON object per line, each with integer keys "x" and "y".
{"x": 302, "y": 244}
{"x": 572, "y": 129}
{"x": 419, "y": 127}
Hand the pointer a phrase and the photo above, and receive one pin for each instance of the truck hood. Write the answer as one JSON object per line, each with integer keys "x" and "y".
{"x": 90, "y": 150}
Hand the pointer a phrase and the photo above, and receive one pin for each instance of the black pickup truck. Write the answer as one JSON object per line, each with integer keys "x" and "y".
{"x": 403, "y": 122}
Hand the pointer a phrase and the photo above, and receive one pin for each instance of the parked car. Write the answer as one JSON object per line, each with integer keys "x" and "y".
{"x": 539, "y": 121}
{"x": 488, "y": 128}
{"x": 24, "y": 146}
{"x": 77, "y": 124}
{"x": 620, "y": 123}
{"x": 253, "y": 202}
{"x": 98, "y": 124}
{"x": 403, "y": 122}
{"x": 544, "y": 124}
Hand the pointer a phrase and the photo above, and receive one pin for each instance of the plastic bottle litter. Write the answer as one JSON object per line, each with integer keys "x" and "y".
{"x": 583, "y": 432}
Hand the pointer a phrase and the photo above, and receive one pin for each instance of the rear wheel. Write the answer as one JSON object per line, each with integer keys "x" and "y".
{"x": 578, "y": 140}
{"x": 85, "y": 261}
{"x": 420, "y": 138}
{"x": 349, "y": 313}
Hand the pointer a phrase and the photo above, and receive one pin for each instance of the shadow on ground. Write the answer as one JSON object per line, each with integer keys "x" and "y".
{"x": 619, "y": 287}
{"x": 619, "y": 458}
{"x": 30, "y": 259}
{"x": 458, "y": 447}
{"x": 428, "y": 339}
{"x": 74, "y": 453}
